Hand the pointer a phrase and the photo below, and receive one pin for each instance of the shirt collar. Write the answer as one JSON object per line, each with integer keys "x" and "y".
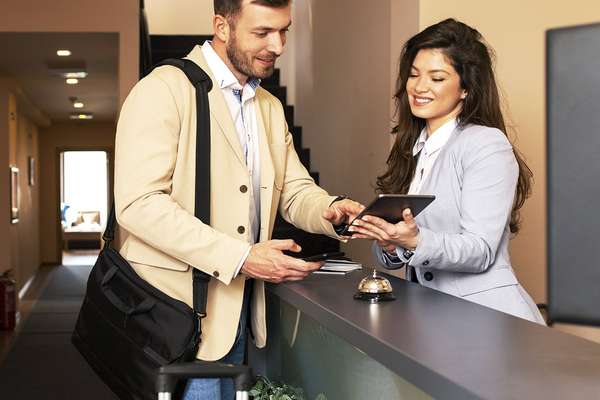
{"x": 223, "y": 75}
{"x": 436, "y": 140}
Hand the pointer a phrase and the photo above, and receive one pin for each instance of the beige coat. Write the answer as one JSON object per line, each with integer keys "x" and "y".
{"x": 154, "y": 196}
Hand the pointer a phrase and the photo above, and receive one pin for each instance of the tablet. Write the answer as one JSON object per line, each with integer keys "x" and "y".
{"x": 390, "y": 206}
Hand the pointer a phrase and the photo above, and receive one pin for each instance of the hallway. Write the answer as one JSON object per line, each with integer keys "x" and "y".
{"x": 38, "y": 361}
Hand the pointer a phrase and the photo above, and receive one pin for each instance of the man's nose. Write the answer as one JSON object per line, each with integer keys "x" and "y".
{"x": 276, "y": 43}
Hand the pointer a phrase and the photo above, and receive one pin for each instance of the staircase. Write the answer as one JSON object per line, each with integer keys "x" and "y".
{"x": 177, "y": 46}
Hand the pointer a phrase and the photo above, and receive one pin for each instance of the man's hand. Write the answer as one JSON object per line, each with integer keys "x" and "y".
{"x": 267, "y": 262}
{"x": 343, "y": 211}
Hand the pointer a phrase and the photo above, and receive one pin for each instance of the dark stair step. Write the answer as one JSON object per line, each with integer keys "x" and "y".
{"x": 296, "y": 132}
{"x": 315, "y": 176}
{"x": 304, "y": 155}
{"x": 311, "y": 243}
{"x": 278, "y": 91}
{"x": 273, "y": 80}
{"x": 174, "y": 46}
{"x": 289, "y": 115}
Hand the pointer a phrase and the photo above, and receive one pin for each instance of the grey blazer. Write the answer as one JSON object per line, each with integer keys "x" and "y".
{"x": 464, "y": 233}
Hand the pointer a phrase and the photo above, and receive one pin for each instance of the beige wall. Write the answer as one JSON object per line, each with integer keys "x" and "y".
{"x": 516, "y": 29}
{"x": 4, "y": 182}
{"x": 66, "y": 136}
{"x": 26, "y": 234}
{"x": 20, "y": 242}
{"x": 189, "y": 17}
{"x": 344, "y": 75}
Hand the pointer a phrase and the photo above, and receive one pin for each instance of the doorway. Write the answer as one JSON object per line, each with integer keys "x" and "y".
{"x": 84, "y": 188}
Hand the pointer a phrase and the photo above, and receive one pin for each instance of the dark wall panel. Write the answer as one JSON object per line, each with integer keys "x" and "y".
{"x": 573, "y": 123}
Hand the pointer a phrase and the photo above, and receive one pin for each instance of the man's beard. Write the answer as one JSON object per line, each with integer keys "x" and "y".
{"x": 244, "y": 65}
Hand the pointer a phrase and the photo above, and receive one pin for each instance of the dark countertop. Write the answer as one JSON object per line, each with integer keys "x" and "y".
{"x": 449, "y": 347}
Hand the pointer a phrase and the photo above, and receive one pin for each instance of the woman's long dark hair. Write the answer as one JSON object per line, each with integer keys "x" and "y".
{"x": 469, "y": 55}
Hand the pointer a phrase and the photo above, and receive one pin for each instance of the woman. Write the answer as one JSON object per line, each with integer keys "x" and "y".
{"x": 451, "y": 142}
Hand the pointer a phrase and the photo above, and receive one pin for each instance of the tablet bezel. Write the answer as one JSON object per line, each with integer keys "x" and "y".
{"x": 391, "y": 206}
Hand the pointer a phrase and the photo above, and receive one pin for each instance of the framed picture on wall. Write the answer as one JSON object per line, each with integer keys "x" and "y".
{"x": 14, "y": 194}
{"x": 31, "y": 170}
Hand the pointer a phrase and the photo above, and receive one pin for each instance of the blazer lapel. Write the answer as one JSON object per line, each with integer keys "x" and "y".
{"x": 443, "y": 151}
{"x": 218, "y": 106}
{"x": 267, "y": 171}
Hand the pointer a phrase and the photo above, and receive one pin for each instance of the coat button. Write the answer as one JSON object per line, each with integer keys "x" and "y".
{"x": 216, "y": 274}
{"x": 241, "y": 229}
{"x": 426, "y": 262}
{"x": 243, "y": 188}
{"x": 428, "y": 276}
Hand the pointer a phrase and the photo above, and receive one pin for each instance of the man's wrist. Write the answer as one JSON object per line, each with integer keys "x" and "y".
{"x": 339, "y": 229}
{"x": 242, "y": 261}
{"x": 338, "y": 198}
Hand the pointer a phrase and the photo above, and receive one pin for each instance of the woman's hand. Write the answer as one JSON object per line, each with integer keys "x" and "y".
{"x": 388, "y": 236}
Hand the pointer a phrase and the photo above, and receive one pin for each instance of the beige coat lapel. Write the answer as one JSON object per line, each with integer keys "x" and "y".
{"x": 267, "y": 173}
{"x": 218, "y": 107}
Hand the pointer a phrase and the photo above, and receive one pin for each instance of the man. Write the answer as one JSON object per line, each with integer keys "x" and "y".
{"x": 255, "y": 173}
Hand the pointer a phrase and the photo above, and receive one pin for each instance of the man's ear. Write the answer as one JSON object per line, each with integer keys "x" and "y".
{"x": 221, "y": 28}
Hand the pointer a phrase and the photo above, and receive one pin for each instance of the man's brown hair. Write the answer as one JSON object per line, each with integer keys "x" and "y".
{"x": 231, "y": 8}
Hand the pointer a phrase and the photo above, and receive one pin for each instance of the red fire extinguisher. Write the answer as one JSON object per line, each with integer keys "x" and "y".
{"x": 8, "y": 303}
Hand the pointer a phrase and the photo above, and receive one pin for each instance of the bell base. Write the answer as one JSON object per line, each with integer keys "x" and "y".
{"x": 374, "y": 297}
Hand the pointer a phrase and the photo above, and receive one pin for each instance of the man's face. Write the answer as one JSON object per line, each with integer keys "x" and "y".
{"x": 257, "y": 38}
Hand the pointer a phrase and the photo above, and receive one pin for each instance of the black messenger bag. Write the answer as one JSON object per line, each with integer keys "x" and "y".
{"x": 127, "y": 329}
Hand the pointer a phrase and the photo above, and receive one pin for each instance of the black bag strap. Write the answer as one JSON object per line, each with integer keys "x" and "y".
{"x": 203, "y": 85}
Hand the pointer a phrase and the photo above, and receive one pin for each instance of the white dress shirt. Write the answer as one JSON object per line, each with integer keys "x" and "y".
{"x": 429, "y": 148}
{"x": 240, "y": 101}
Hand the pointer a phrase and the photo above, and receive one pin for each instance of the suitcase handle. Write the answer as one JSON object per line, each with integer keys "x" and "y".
{"x": 169, "y": 375}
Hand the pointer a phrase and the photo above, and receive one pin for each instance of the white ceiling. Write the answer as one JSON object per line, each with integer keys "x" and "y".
{"x": 25, "y": 57}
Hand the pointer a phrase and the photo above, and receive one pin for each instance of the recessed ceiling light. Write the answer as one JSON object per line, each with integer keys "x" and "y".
{"x": 72, "y": 81}
{"x": 81, "y": 116}
{"x": 63, "y": 53}
{"x": 78, "y": 104}
{"x": 75, "y": 74}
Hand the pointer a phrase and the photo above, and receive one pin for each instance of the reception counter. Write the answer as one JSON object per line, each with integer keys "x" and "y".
{"x": 425, "y": 344}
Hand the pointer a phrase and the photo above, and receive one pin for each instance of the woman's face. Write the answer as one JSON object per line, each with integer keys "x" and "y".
{"x": 433, "y": 89}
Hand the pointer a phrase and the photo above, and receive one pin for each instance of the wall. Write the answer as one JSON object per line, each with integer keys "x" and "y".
{"x": 27, "y": 235}
{"x": 181, "y": 17}
{"x": 5, "y": 117}
{"x": 346, "y": 57}
{"x": 520, "y": 53}
{"x": 67, "y": 16}
{"x": 20, "y": 243}
{"x": 74, "y": 136}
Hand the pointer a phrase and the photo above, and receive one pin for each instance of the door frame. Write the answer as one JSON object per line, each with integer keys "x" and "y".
{"x": 110, "y": 182}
